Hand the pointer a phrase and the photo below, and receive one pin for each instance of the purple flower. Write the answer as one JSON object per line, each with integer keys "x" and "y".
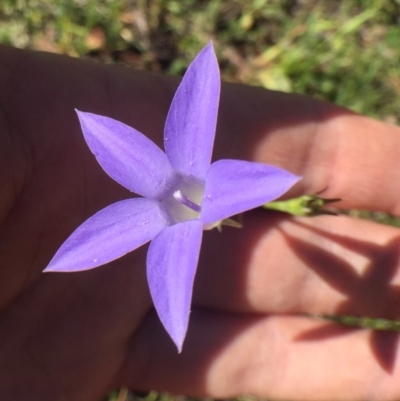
{"x": 182, "y": 194}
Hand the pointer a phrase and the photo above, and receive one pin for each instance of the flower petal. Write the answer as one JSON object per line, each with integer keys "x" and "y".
{"x": 109, "y": 234}
{"x": 127, "y": 156}
{"x": 234, "y": 186}
{"x": 171, "y": 266}
{"x": 191, "y": 121}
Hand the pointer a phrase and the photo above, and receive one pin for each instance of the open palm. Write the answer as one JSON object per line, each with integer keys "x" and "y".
{"x": 75, "y": 336}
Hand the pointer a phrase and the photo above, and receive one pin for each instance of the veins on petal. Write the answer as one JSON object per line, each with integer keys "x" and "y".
{"x": 183, "y": 194}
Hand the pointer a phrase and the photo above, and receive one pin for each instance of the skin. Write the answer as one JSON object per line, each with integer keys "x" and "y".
{"x": 75, "y": 336}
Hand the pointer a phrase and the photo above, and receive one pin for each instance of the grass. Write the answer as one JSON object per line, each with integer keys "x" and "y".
{"x": 343, "y": 51}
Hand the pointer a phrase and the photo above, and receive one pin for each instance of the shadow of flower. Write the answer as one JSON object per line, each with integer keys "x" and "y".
{"x": 367, "y": 293}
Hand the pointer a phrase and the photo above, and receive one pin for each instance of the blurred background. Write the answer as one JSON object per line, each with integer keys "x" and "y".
{"x": 344, "y": 51}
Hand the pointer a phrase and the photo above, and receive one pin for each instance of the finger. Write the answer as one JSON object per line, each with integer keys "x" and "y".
{"x": 278, "y": 264}
{"x": 340, "y": 153}
{"x": 275, "y": 357}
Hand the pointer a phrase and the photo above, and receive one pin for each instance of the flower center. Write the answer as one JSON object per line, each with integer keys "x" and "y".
{"x": 184, "y": 203}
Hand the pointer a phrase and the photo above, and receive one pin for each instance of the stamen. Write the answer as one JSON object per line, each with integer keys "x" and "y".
{"x": 185, "y": 201}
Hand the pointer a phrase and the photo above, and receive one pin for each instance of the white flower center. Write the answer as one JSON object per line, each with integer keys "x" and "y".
{"x": 184, "y": 203}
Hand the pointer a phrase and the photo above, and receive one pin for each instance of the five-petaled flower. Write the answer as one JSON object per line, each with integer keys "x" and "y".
{"x": 182, "y": 194}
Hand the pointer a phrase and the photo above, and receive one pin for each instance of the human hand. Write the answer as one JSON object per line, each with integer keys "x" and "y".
{"x": 78, "y": 335}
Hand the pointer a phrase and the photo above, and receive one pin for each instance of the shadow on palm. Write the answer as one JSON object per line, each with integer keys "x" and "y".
{"x": 369, "y": 293}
